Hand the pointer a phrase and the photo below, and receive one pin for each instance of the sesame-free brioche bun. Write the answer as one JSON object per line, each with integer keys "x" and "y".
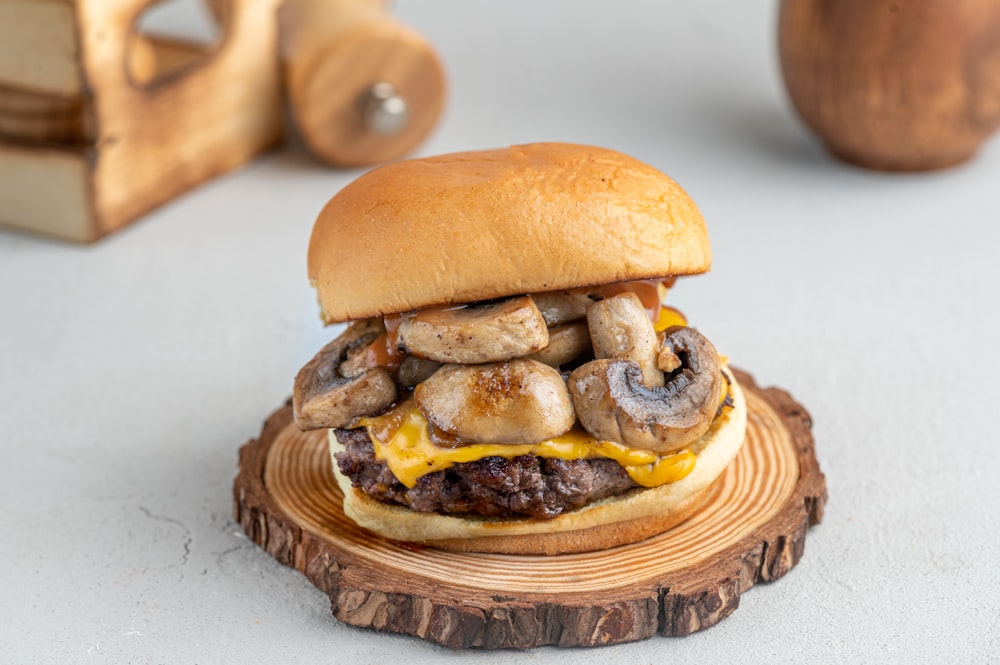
{"x": 488, "y": 224}
{"x": 628, "y": 518}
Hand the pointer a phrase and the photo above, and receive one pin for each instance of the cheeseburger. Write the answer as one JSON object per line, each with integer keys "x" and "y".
{"x": 510, "y": 378}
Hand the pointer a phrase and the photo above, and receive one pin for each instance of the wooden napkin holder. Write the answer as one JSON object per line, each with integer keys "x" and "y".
{"x": 100, "y": 123}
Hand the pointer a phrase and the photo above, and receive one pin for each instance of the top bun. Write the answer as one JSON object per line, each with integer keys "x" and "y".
{"x": 493, "y": 223}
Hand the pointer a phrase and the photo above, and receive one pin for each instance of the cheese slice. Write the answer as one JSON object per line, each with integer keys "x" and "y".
{"x": 402, "y": 441}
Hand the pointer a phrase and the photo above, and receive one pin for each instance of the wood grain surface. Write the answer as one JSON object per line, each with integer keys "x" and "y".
{"x": 751, "y": 529}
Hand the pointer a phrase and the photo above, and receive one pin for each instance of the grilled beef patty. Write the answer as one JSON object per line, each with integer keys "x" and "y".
{"x": 494, "y": 486}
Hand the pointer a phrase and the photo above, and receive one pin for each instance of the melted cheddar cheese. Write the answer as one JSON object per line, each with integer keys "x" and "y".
{"x": 402, "y": 441}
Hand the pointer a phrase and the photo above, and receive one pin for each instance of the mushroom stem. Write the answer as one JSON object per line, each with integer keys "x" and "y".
{"x": 621, "y": 329}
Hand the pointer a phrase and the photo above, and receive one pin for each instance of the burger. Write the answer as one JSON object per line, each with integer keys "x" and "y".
{"x": 511, "y": 378}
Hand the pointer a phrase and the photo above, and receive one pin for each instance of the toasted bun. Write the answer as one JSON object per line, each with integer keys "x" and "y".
{"x": 640, "y": 514}
{"x": 479, "y": 225}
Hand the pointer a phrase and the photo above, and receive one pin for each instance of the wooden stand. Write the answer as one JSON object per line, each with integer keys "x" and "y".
{"x": 752, "y": 529}
{"x": 100, "y": 124}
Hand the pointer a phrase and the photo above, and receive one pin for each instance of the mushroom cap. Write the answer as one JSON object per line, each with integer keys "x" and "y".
{"x": 488, "y": 224}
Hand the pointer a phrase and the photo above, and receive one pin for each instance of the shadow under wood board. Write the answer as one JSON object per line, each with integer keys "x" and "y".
{"x": 752, "y": 528}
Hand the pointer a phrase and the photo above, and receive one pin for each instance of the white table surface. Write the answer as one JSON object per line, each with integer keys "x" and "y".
{"x": 131, "y": 371}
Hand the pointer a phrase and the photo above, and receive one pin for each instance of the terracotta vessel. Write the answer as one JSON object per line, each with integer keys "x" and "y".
{"x": 902, "y": 85}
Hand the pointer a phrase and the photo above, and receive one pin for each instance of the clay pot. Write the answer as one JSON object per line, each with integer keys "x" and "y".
{"x": 902, "y": 85}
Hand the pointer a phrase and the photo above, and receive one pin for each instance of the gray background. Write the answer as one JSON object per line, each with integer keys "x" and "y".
{"x": 131, "y": 371}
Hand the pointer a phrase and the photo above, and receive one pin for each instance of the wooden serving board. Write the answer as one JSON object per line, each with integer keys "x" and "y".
{"x": 753, "y": 528}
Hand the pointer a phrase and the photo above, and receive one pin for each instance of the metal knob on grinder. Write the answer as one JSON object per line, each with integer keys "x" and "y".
{"x": 383, "y": 110}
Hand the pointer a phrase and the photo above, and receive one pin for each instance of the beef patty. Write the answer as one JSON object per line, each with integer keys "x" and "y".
{"x": 493, "y": 486}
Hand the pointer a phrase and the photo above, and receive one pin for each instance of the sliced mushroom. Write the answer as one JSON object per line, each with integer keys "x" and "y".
{"x": 567, "y": 342}
{"x": 414, "y": 370}
{"x": 612, "y": 403}
{"x": 324, "y": 397}
{"x": 517, "y": 401}
{"x": 621, "y": 329}
{"x": 355, "y": 354}
{"x": 476, "y": 333}
{"x": 558, "y": 307}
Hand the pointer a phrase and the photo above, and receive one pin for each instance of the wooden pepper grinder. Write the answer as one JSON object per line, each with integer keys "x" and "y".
{"x": 362, "y": 88}
{"x": 901, "y": 85}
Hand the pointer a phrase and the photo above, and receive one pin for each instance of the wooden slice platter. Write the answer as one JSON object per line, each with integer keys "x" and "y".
{"x": 752, "y": 528}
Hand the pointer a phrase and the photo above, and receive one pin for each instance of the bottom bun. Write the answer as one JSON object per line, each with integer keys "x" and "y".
{"x": 619, "y": 520}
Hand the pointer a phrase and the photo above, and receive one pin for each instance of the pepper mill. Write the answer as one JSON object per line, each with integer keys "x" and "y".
{"x": 898, "y": 85}
{"x": 362, "y": 88}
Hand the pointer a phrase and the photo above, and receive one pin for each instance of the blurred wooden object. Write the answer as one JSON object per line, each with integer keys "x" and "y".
{"x": 363, "y": 89}
{"x": 901, "y": 85}
{"x": 100, "y": 124}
